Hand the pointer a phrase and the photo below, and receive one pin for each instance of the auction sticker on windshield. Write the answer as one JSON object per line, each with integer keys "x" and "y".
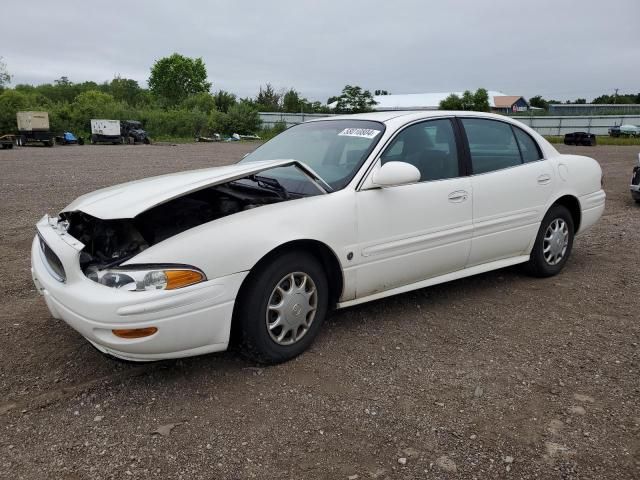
{"x": 359, "y": 132}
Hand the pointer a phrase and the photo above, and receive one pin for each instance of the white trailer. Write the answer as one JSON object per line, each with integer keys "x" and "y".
{"x": 30, "y": 121}
{"x": 105, "y": 131}
{"x": 34, "y": 127}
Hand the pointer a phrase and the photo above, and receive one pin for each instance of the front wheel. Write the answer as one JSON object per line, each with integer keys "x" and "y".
{"x": 553, "y": 243}
{"x": 281, "y": 308}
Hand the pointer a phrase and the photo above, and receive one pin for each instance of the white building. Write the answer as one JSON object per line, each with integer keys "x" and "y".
{"x": 431, "y": 101}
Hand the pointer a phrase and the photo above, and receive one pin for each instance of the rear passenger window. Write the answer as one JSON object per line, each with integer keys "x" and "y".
{"x": 528, "y": 147}
{"x": 491, "y": 144}
{"x": 429, "y": 146}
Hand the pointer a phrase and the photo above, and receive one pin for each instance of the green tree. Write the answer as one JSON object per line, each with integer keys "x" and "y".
{"x": 5, "y": 78}
{"x": 243, "y": 119}
{"x": 94, "y": 104}
{"x": 176, "y": 77}
{"x": 481, "y": 100}
{"x": 355, "y": 100}
{"x": 452, "y": 102}
{"x": 539, "y": 102}
{"x": 224, "y": 100}
{"x": 292, "y": 102}
{"x": 125, "y": 90}
{"x": 11, "y": 102}
{"x": 467, "y": 100}
{"x": 477, "y": 101}
{"x": 268, "y": 100}
{"x": 203, "y": 101}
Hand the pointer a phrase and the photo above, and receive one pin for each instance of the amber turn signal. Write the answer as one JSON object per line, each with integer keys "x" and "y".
{"x": 182, "y": 278}
{"x": 130, "y": 333}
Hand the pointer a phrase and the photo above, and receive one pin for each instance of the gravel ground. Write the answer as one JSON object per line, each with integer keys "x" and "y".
{"x": 494, "y": 376}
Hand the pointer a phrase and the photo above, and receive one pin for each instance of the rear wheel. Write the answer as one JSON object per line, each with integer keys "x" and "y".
{"x": 281, "y": 308}
{"x": 553, "y": 243}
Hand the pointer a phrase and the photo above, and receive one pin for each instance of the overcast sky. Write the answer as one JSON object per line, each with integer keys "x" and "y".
{"x": 559, "y": 49}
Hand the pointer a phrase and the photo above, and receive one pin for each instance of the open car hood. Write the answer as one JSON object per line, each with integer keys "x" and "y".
{"x": 128, "y": 200}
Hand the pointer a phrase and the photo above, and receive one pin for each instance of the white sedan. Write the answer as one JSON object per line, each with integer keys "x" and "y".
{"x": 328, "y": 214}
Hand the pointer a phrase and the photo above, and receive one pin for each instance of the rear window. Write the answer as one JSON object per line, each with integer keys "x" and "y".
{"x": 528, "y": 146}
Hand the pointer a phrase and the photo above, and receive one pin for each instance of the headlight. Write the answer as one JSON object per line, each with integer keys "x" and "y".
{"x": 142, "y": 279}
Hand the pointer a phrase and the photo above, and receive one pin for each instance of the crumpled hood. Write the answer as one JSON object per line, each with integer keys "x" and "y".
{"x": 132, "y": 198}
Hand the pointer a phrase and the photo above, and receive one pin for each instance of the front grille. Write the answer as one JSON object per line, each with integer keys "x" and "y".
{"x": 51, "y": 261}
{"x": 635, "y": 180}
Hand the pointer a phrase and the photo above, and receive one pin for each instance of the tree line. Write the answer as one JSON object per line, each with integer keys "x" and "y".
{"x": 623, "y": 99}
{"x": 179, "y": 102}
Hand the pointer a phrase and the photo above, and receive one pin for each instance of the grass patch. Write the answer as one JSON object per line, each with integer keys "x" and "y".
{"x": 601, "y": 140}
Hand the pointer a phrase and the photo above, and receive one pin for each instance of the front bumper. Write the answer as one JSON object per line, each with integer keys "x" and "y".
{"x": 635, "y": 192}
{"x": 190, "y": 321}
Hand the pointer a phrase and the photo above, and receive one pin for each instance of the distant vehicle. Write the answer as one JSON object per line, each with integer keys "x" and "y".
{"x": 116, "y": 131}
{"x": 635, "y": 182}
{"x": 330, "y": 213}
{"x": 580, "y": 138}
{"x": 33, "y": 127}
{"x": 133, "y": 132}
{"x": 7, "y": 141}
{"x": 624, "y": 131}
{"x": 68, "y": 138}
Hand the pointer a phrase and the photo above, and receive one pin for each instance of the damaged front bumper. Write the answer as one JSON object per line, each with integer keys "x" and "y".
{"x": 189, "y": 321}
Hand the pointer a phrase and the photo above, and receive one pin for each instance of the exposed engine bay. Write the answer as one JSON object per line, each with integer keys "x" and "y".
{"x": 111, "y": 242}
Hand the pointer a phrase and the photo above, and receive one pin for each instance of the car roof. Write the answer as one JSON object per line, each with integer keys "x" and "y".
{"x": 405, "y": 116}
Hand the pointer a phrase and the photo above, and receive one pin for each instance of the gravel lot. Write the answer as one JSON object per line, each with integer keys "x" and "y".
{"x": 494, "y": 376}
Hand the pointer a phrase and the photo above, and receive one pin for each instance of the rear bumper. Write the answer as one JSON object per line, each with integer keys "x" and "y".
{"x": 190, "y": 321}
{"x": 592, "y": 206}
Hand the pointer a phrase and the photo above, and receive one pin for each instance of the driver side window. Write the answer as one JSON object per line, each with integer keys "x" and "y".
{"x": 429, "y": 146}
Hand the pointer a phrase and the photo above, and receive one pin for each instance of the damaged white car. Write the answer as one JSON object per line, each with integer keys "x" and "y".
{"x": 330, "y": 213}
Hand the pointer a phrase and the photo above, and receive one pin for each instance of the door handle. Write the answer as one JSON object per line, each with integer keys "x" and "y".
{"x": 544, "y": 179}
{"x": 458, "y": 196}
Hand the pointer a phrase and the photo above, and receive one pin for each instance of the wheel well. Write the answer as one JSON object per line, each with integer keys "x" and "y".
{"x": 573, "y": 205}
{"x": 321, "y": 251}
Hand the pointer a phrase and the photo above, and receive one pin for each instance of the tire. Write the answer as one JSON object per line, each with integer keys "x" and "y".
{"x": 93, "y": 139}
{"x": 258, "y": 326}
{"x": 548, "y": 263}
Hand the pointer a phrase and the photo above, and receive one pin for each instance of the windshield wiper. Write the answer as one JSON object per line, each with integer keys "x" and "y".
{"x": 271, "y": 184}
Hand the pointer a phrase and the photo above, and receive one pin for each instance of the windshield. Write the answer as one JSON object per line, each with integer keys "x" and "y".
{"x": 334, "y": 149}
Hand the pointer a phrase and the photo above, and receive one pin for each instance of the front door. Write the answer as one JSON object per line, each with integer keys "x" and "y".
{"x": 414, "y": 232}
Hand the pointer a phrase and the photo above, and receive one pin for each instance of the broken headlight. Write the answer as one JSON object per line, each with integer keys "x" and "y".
{"x": 144, "y": 279}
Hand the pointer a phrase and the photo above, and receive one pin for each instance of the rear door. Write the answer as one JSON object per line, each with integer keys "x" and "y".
{"x": 409, "y": 233}
{"x": 511, "y": 183}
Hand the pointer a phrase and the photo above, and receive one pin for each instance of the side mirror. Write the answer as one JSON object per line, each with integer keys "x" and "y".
{"x": 395, "y": 173}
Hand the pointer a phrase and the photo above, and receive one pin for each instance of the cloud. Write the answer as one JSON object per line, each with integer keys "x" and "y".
{"x": 557, "y": 49}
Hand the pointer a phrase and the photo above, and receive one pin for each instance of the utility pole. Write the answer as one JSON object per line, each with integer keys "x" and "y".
{"x": 615, "y": 97}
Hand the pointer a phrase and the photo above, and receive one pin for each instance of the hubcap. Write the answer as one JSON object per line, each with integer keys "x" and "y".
{"x": 291, "y": 308}
{"x": 555, "y": 242}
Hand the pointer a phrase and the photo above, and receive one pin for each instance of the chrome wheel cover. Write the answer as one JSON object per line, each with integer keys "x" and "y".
{"x": 555, "y": 241}
{"x": 291, "y": 308}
